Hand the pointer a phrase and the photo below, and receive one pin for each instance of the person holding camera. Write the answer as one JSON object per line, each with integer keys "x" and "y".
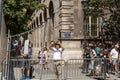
{"x": 57, "y": 49}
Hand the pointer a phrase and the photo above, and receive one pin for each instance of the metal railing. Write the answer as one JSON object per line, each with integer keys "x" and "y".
{"x": 64, "y": 70}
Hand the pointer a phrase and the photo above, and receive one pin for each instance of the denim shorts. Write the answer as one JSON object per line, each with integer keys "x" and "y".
{"x": 26, "y": 62}
{"x": 115, "y": 61}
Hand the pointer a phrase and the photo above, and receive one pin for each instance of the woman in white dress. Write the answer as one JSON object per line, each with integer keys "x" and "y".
{"x": 44, "y": 60}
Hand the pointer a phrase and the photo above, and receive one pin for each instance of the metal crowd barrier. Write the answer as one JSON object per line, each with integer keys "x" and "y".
{"x": 63, "y": 70}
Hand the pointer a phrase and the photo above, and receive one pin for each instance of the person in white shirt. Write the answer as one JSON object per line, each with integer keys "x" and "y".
{"x": 114, "y": 57}
{"x": 57, "y": 56}
{"x": 57, "y": 49}
{"x": 92, "y": 57}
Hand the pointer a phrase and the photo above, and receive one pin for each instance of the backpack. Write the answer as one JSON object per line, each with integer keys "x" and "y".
{"x": 98, "y": 51}
{"x": 87, "y": 53}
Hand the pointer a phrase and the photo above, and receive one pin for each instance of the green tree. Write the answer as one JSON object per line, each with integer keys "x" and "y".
{"x": 111, "y": 10}
{"x": 18, "y": 13}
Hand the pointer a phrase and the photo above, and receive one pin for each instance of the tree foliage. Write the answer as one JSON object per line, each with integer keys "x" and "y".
{"x": 111, "y": 10}
{"x": 18, "y": 13}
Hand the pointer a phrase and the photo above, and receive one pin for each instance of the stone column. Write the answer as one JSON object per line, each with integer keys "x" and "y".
{"x": 66, "y": 17}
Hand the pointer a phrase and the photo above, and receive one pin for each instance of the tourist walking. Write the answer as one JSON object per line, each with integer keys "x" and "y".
{"x": 114, "y": 57}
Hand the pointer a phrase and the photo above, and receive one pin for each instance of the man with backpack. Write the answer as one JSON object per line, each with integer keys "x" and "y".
{"x": 98, "y": 51}
{"x": 26, "y": 53}
{"x": 92, "y": 57}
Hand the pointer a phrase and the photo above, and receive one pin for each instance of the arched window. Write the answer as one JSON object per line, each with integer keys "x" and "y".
{"x": 45, "y": 15}
{"x": 51, "y": 11}
{"x": 40, "y": 18}
{"x": 30, "y": 26}
{"x": 34, "y": 24}
{"x": 60, "y": 3}
{"x": 37, "y": 21}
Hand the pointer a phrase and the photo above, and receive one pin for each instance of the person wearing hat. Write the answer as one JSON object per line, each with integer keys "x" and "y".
{"x": 26, "y": 53}
{"x": 57, "y": 57}
{"x": 92, "y": 57}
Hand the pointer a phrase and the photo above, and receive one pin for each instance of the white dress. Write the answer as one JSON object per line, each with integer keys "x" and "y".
{"x": 45, "y": 57}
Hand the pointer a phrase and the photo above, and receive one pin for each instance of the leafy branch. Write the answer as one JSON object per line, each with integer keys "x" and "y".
{"x": 18, "y": 13}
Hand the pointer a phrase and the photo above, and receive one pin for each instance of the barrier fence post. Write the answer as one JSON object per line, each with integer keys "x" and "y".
{"x": 65, "y": 69}
{"x": 43, "y": 40}
{"x": 9, "y": 56}
{"x": 104, "y": 71}
{"x": 5, "y": 77}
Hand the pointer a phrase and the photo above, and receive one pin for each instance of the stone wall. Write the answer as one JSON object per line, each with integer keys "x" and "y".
{"x": 68, "y": 18}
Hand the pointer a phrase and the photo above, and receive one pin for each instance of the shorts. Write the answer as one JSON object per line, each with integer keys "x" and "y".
{"x": 115, "y": 61}
{"x": 26, "y": 63}
{"x": 57, "y": 67}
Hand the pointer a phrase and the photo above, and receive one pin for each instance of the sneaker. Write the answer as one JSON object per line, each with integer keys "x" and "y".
{"x": 107, "y": 75}
{"x": 27, "y": 78}
{"x": 21, "y": 78}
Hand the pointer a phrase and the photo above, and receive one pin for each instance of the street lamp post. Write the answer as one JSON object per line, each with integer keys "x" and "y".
{"x": 102, "y": 24}
{"x": 84, "y": 3}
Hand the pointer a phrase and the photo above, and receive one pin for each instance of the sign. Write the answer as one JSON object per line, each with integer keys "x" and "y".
{"x": 67, "y": 35}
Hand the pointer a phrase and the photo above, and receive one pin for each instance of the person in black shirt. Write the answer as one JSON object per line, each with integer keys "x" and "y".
{"x": 86, "y": 57}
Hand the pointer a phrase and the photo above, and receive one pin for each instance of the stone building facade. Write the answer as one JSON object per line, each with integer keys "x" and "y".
{"x": 64, "y": 21}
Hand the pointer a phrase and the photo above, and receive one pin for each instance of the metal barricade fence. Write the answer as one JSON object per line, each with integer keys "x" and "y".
{"x": 55, "y": 70}
{"x": 14, "y": 71}
{"x": 63, "y": 70}
{"x": 81, "y": 68}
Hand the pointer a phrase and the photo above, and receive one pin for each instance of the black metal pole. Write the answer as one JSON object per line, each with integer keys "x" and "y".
{"x": 84, "y": 27}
